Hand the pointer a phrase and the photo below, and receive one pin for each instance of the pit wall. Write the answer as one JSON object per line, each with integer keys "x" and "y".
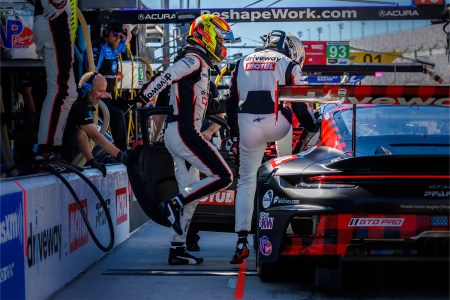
{"x": 44, "y": 242}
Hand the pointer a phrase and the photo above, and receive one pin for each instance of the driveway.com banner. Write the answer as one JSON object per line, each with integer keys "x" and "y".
{"x": 278, "y": 14}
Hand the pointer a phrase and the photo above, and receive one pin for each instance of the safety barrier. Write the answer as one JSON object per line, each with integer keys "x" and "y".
{"x": 44, "y": 243}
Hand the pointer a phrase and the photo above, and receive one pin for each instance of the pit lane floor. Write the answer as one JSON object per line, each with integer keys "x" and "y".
{"x": 138, "y": 269}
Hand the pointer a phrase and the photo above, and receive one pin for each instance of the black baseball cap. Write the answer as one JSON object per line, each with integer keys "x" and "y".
{"x": 116, "y": 26}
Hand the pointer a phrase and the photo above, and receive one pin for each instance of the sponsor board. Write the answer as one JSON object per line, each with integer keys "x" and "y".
{"x": 374, "y": 58}
{"x": 121, "y": 205}
{"x": 78, "y": 233}
{"x": 271, "y": 14}
{"x": 220, "y": 198}
{"x": 12, "y": 269}
{"x": 315, "y": 52}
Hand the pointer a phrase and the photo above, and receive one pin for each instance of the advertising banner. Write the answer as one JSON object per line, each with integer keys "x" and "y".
{"x": 270, "y": 14}
{"x": 12, "y": 272}
{"x": 16, "y": 36}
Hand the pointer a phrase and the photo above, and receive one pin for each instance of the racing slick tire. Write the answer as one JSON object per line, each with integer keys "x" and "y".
{"x": 328, "y": 274}
{"x": 151, "y": 190}
{"x": 266, "y": 271}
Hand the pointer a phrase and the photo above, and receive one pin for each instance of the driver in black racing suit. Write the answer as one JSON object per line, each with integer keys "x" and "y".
{"x": 189, "y": 92}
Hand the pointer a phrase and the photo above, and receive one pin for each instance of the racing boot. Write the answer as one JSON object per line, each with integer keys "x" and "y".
{"x": 241, "y": 251}
{"x": 192, "y": 239}
{"x": 179, "y": 256}
{"x": 171, "y": 209}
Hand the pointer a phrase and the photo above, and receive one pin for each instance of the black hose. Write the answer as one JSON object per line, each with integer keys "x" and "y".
{"x": 46, "y": 166}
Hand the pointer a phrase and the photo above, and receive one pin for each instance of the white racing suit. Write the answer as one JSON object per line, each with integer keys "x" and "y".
{"x": 53, "y": 43}
{"x": 256, "y": 119}
{"x": 189, "y": 91}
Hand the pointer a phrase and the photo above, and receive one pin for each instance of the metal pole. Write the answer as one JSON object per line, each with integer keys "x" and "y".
{"x": 166, "y": 38}
{"x": 351, "y": 30}
{"x": 329, "y": 32}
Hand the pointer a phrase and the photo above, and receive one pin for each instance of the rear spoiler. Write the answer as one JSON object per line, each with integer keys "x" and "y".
{"x": 367, "y": 94}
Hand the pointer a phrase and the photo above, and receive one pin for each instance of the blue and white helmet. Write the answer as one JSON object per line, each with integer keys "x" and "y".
{"x": 287, "y": 44}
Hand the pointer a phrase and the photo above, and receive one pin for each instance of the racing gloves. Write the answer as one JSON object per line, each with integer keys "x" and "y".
{"x": 141, "y": 98}
{"x": 123, "y": 156}
{"x": 52, "y": 9}
{"x": 98, "y": 165}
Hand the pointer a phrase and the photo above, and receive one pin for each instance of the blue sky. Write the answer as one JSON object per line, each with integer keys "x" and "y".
{"x": 250, "y": 32}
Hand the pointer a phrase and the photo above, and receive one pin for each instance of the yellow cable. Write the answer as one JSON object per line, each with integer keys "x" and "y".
{"x": 219, "y": 76}
{"x": 73, "y": 20}
{"x": 91, "y": 68}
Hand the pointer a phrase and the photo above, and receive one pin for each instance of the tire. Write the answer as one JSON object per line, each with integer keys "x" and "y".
{"x": 267, "y": 272}
{"x": 329, "y": 274}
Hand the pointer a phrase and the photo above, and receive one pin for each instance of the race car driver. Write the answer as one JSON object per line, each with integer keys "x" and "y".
{"x": 52, "y": 34}
{"x": 189, "y": 79}
{"x": 255, "y": 118}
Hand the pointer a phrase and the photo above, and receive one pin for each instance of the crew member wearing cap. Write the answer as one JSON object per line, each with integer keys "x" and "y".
{"x": 106, "y": 49}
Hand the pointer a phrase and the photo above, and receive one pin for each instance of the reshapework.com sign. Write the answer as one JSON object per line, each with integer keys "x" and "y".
{"x": 277, "y": 14}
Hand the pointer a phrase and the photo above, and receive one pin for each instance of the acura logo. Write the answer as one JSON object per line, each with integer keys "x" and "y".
{"x": 141, "y": 17}
{"x": 382, "y": 13}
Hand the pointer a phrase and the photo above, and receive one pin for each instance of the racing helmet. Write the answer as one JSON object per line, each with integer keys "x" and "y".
{"x": 204, "y": 32}
{"x": 287, "y": 44}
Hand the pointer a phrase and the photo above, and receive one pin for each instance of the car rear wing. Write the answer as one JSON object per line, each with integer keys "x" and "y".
{"x": 366, "y": 94}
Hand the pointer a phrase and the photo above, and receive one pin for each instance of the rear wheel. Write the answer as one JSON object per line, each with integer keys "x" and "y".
{"x": 266, "y": 271}
{"x": 328, "y": 274}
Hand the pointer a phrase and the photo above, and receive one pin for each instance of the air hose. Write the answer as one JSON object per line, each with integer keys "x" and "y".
{"x": 47, "y": 165}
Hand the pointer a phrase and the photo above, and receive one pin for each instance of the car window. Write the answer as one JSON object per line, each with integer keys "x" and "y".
{"x": 399, "y": 120}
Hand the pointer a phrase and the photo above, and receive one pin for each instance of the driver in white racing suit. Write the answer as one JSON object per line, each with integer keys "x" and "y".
{"x": 255, "y": 118}
{"x": 189, "y": 92}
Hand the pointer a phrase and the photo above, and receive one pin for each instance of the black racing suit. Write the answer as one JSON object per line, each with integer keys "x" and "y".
{"x": 80, "y": 114}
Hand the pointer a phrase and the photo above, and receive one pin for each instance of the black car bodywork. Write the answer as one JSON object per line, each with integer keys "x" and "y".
{"x": 376, "y": 191}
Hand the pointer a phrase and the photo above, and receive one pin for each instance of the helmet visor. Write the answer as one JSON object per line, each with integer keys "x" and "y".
{"x": 228, "y": 35}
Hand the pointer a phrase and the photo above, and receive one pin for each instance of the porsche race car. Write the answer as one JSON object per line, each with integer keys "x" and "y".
{"x": 371, "y": 182}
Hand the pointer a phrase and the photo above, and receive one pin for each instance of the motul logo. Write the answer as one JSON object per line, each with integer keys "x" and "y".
{"x": 219, "y": 198}
{"x": 256, "y": 66}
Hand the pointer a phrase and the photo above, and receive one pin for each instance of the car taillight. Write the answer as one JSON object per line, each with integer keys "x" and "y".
{"x": 328, "y": 178}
